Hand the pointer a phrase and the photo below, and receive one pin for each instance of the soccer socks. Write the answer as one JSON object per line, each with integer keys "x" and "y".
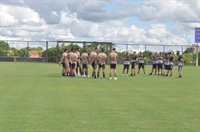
{"x": 63, "y": 74}
{"x": 103, "y": 75}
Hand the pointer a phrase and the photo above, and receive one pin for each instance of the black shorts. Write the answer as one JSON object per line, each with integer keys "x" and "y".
{"x": 70, "y": 65}
{"x": 73, "y": 65}
{"x": 180, "y": 68}
{"x": 126, "y": 66}
{"x": 78, "y": 64}
{"x": 170, "y": 67}
{"x": 154, "y": 66}
{"x": 160, "y": 66}
{"x": 94, "y": 66}
{"x": 133, "y": 65}
{"x": 141, "y": 65}
{"x": 102, "y": 66}
{"x": 166, "y": 67}
{"x": 113, "y": 66}
{"x": 84, "y": 65}
{"x": 63, "y": 64}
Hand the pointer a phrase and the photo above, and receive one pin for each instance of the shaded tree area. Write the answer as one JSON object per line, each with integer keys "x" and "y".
{"x": 53, "y": 53}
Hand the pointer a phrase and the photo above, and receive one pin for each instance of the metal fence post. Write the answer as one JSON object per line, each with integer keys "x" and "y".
{"x": 27, "y": 48}
{"x": 57, "y": 51}
{"x": 47, "y": 52}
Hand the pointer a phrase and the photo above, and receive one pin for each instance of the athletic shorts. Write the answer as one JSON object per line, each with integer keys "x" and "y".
{"x": 141, "y": 65}
{"x": 170, "y": 67}
{"x": 70, "y": 65}
{"x": 94, "y": 66}
{"x": 154, "y": 66}
{"x": 78, "y": 64}
{"x": 160, "y": 66}
{"x": 126, "y": 66}
{"x": 84, "y": 65}
{"x": 63, "y": 64}
{"x": 180, "y": 68}
{"x": 113, "y": 66}
{"x": 73, "y": 65}
{"x": 166, "y": 67}
{"x": 133, "y": 65}
{"x": 102, "y": 66}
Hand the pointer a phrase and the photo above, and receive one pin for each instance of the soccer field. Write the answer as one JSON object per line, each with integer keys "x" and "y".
{"x": 34, "y": 97}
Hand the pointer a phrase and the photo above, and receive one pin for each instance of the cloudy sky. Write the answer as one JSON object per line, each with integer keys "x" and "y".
{"x": 119, "y": 21}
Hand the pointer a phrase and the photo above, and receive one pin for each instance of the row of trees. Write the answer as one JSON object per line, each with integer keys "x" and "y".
{"x": 5, "y": 50}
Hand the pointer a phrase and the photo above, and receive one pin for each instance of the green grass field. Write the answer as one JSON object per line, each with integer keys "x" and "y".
{"x": 35, "y": 98}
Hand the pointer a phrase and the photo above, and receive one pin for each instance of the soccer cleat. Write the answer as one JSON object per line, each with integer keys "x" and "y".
{"x": 122, "y": 74}
{"x": 115, "y": 78}
{"x": 110, "y": 78}
{"x": 179, "y": 77}
{"x": 170, "y": 76}
{"x": 150, "y": 73}
{"x": 126, "y": 74}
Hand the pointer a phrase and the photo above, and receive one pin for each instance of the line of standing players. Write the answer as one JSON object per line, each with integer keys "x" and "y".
{"x": 162, "y": 64}
{"x": 71, "y": 61}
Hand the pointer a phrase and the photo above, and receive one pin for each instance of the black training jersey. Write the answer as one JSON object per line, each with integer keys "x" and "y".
{"x": 134, "y": 58}
{"x": 126, "y": 59}
{"x": 160, "y": 59}
{"x": 180, "y": 63}
{"x": 166, "y": 60}
{"x": 171, "y": 60}
{"x": 141, "y": 57}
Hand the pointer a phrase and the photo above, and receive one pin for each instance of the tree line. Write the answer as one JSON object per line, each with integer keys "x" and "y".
{"x": 5, "y": 50}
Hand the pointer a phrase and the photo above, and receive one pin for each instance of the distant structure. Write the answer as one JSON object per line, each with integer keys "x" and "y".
{"x": 34, "y": 54}
{"x": 193, "y": 46}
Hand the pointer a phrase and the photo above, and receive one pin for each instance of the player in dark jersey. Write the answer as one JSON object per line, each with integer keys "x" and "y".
{"x": 154, "y": 65}
{"x": 160, "y": 64}
{"x": 180, "y": 64}
{"x": 126, "y": 63}
{"x": 141, "y": 59}
{"x": 134, "y": 59}
{"x": 166, "y": 60}
{"x": 171, "y": 63}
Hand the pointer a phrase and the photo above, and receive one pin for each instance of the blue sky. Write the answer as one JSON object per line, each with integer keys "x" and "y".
{"x": 128, "y": 21}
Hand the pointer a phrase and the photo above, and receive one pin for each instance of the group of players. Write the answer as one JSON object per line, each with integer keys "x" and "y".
{"x": 73, "y": 60}
{"x": 162, "y": 64}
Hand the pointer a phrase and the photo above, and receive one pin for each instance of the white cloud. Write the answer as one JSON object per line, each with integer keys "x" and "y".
{"x": 93, "y": 21}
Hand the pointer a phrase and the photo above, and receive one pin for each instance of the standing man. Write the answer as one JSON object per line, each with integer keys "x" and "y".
{"x": 65, "y": 63}
{"x": 154, "y": 65}
{"x": 160, "y": 63}
{"x": 180, "y": 65}
{"x": 113, "y": 63}
{"x": 167, "y": 64}
{"x": 93, "y": 61}
{"x": 126, "y": 63}
{"x": 171, "y": 63}
{"x": 101, "y": 58}
{"x": 141, "y": 59}
{"x": 78, "y": 61}
{"x": 84, "y": 58}
{"x": 74, "y": 58}
{"x": 133, "y": 64}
